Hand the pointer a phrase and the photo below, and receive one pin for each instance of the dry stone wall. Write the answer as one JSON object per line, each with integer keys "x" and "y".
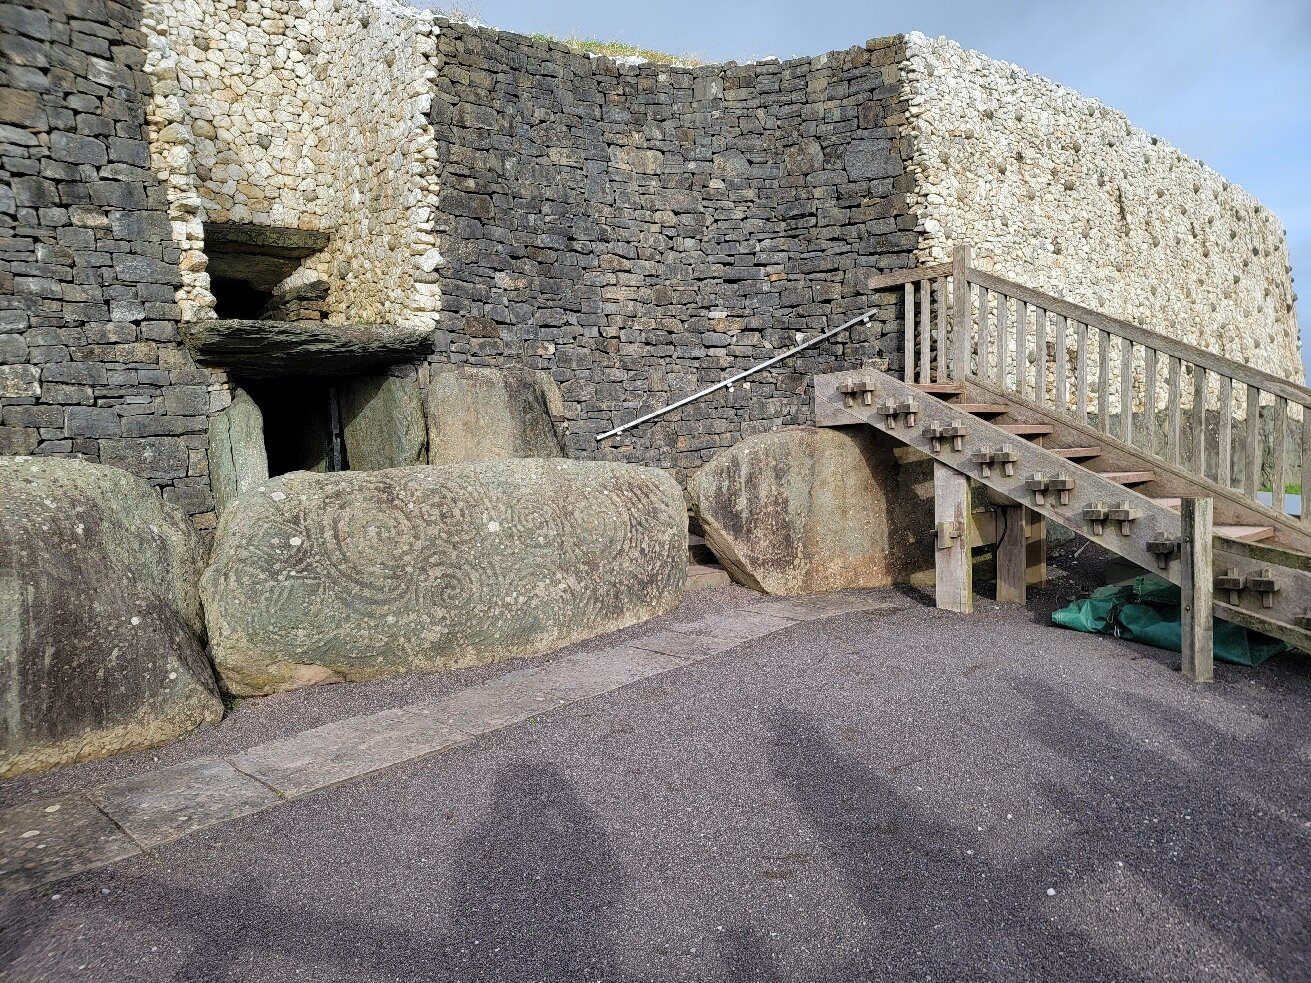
{"x": 641, "y": 231}
{"x": 1061, "y": 193}
{"x": 90, "y": 361}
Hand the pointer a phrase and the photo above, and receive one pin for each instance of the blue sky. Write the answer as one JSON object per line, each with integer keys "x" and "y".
{"x": 1226, "y": 82}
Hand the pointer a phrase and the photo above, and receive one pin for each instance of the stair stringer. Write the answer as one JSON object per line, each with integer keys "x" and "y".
{"x": 1231, "y": 507}
{"x": 1288, "y": 605}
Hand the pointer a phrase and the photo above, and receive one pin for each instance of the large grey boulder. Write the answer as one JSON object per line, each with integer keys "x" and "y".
{"x": 382, "y": 422}
{"x": 801, "y": 510}
{"x": 238, "y": 460}
{"x": 100, "y": 619}
{"x": 481, "y": 414}
{"x": 318, "y": 578}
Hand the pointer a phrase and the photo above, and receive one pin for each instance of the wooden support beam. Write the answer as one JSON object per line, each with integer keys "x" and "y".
{"x": 1012, "y": 555}
{"x": 962, "y": 315}
{"x": 1195, "y": 590}
{"x": 1035, "y": 547}
{"x": 954, "y": 565}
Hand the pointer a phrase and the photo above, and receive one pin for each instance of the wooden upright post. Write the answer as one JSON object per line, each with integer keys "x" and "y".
{"x": 1195, "y": 591}
{"x": 961, "y": 315}
{"x": 1012, "y": 555}
{"x": 1036, "y": 548}
{"x": 951, "y": 507}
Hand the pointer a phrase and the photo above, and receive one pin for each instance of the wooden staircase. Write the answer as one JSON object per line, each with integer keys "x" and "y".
{"x": 999, "y": 394}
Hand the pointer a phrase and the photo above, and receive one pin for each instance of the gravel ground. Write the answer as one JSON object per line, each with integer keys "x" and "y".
{"x": 903, "y": 794}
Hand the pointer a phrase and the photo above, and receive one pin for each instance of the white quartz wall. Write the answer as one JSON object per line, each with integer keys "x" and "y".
{"x": 1059, "y": 192}
{"x": 311, "y": 114}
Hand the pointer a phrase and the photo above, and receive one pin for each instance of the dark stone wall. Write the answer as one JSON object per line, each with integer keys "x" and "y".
{"x": 643, "y": 231}
{"x": 90, "y": 361}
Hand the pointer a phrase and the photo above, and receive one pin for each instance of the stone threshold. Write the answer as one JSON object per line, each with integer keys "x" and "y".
{"x": 49, "y": 839}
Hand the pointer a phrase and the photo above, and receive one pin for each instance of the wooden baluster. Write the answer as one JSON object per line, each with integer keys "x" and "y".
{"x": 1103, "y": 381}
{"x": 909, "y": 345}
{"x": 942, "y": 331}
{"x": 1150, "y": 423}
{"x": 926, "y": 315}
{"x": 1173, "y": 435}
{"x": 961, "y": 315}
{"x": 1040, "y": 356}
{"x": 1306, "y": 463}
{"x": 1061, "y": 365}
{"x": 1021, "y": 348}
{"x": 1252, "y": 478}
{"x": 1199, "y": 421}
{"x": 984, "y": 342}
{"x": 1224, "y": 468}
{"x": 1003, "y": 340}
{"x": 1280, "y": 469}
{"x": 1126, "y": 391}
{"x": 1081, "y": 371}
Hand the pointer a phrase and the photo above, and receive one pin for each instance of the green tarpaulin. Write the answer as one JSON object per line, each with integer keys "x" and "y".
{"x": 1148, "y": 612}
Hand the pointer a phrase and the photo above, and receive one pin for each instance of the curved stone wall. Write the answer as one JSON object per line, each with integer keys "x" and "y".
{"x": 641, "y": 231}
{"x": 1060, "y": 192}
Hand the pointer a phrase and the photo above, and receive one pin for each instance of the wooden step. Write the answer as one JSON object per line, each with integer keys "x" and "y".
{"x": 982, "y": 409}
{"x": 1076, "y": 453}
{"x": 1173, "y": 504}
{"x": 1025, "y": 429}
{"x": 941, "y": 388}
{"x": 1128, "y": 477}
{"x": 1252, "y": 534}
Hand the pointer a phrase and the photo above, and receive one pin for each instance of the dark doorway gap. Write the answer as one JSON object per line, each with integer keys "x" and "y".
{"x": 302, "y": 423}
{"x": 238, "y": 299}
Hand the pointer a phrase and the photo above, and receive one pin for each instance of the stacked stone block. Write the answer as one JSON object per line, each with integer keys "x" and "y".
{"x": 90, "y": 361}
{"x": 642, "y": 231}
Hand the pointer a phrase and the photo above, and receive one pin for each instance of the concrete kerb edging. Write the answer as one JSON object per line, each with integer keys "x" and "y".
{"x": 50, "y": 839}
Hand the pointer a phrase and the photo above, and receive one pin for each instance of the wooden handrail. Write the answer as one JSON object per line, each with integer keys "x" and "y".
{"x": 1237, "y": 371}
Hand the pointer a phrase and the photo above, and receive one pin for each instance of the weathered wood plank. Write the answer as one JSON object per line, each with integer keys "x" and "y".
{"x": 1061, "y": 364}
{"x": 985, "y": 332}
{"x": 1224, "y": 467}
{"x": 1151, "y": 426}
{"x": 942, "y": 332}
{"x": 908, "y": 347}
{"x": 1199, "y": 420}
{"x": 953, "y": 563}
{"x": 1036, "y": 548}
{"x": 1081, "y": 371}
{"x": 926, "y": 314}
{"x": 1003, "y": 338}
{"x": 1103, "y": 381}
{"x": 1252, "y": 478}
{"x": 1126, "y": 390}
{"x": 1305, "y": 517}
{"x": 1195, "y": 591}
{"x": 1173, "y": 429}
{"x": 1162, "y": 343}
{"x": 1021, "y": 348}
{"x": 1040, "y": 357}
{"x": 895, "y": 278}
{"x": 1012, "y": 555}
{"x": 1280, "y": 469}
{"x": 961, "y": 313}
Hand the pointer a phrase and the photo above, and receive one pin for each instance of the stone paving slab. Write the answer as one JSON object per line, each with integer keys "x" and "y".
{"x": 54, "y": 838}
{"x": 347, "y": 749}
{"x": 163, "y": 805}
{"x": 51, "y": 838}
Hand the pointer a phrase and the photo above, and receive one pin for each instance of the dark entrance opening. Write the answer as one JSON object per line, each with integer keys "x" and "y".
{"x": 302, "y": 423}
{"x": 247, "y": 261}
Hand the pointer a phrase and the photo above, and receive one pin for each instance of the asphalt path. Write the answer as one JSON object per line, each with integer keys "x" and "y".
{"x": 899, "y": 794}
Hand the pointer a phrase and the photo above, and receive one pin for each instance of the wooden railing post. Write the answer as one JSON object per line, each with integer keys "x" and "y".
{"x": 1195, "y": 591}
{"x": 954, "y": 568}
{"x": 960, "y": 293}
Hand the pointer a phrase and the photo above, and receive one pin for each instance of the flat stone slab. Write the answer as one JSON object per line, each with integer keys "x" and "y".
{"x": 169, "y": 803}
{"x": 821, "y": 606}
{"x": 684, "y": 646}
{"x": 52, "y": 838}
{"x": 267, "y": 349}
{"x": 739, "y": 626}
{"x": 347, "y": 749}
